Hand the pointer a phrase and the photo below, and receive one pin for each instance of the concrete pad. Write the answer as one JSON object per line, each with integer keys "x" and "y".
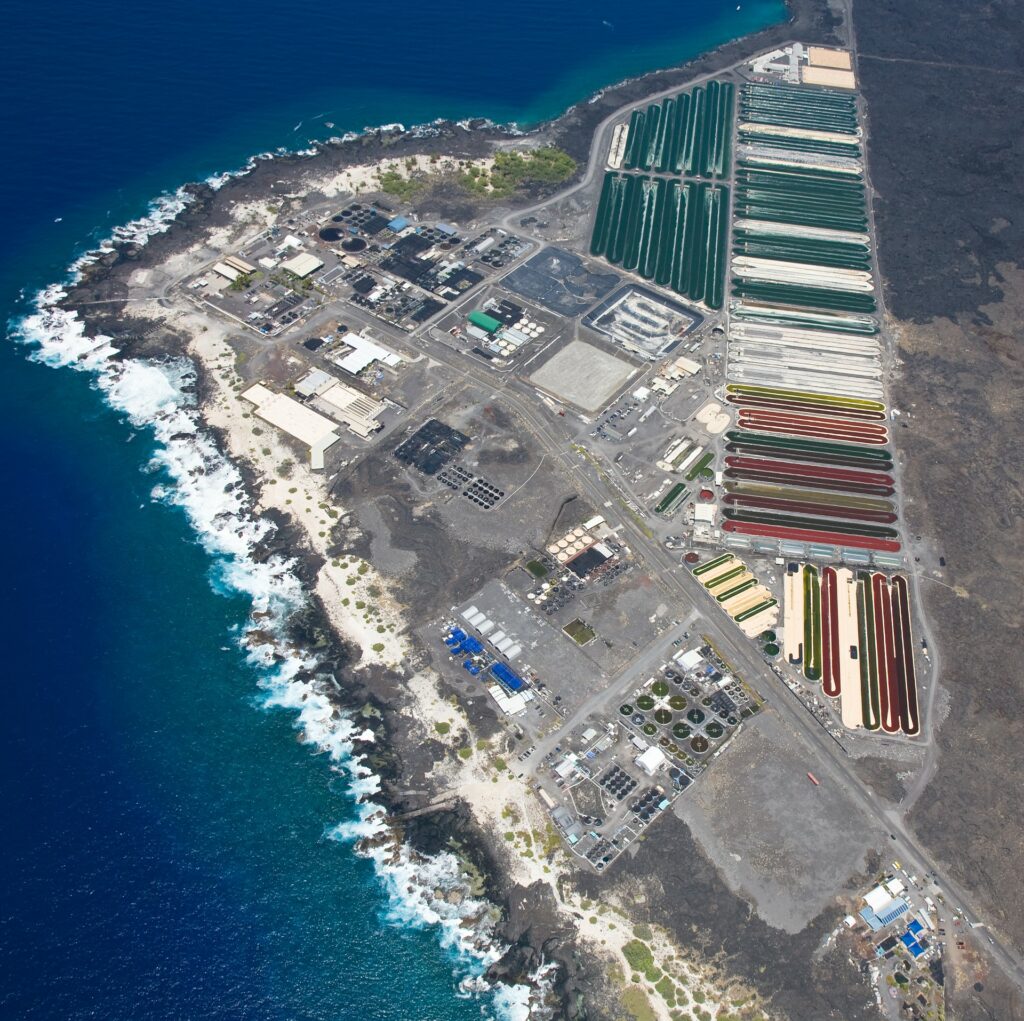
{"x": 584, "y": 375}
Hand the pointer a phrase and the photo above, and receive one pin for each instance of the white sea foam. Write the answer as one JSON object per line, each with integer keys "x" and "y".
{"x": 422, "y": 890}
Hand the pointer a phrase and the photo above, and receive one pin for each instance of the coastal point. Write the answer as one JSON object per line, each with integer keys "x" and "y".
{"x": 581, "y": 462}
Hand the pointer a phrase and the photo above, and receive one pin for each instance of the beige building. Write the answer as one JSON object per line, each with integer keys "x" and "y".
{"x": 307, "y": 426}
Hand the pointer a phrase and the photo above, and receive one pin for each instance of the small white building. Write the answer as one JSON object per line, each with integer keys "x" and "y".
{"x": 316, "y": 381}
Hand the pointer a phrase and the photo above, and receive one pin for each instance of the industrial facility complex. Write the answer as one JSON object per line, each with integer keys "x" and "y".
{"x": 704, "y": 372}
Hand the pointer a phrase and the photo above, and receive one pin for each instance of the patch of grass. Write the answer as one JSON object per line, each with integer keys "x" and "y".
{"x": 666, "y": 990}
{"x": 639, "y": 1008}
{"x": 442, "y": 728}
{"x": 643, "y": 932}
{"x": 580, "y": 632}
{"x": 500, "y": 764}
{"x": 512, "y": 170}
{"x": 464, "y": 753}
{"x": 377, "y": 647}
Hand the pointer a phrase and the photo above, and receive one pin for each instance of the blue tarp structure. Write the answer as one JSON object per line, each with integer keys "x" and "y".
{"x": 455, "y": 637}
{"x": 915, "y": 927}
{"x": 508, "y": 677}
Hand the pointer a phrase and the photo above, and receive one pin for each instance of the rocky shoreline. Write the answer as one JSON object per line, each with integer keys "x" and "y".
{"x": 532, "y": 925}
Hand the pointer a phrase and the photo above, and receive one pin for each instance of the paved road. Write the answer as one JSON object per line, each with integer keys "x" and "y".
{"x": 830, "y": 763}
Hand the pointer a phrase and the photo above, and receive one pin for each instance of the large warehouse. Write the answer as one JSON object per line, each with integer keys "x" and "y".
{"x": 298, "y": 421}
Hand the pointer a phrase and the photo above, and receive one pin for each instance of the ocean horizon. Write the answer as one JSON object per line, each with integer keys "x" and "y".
{"x": 173, "y": 848}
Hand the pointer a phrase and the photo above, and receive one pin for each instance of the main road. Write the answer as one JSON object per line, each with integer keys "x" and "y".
{"x": 831, "y": 762}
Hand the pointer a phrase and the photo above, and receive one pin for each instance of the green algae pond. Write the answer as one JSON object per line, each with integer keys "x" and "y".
{"x": 668, "y": 231}
{"x": 689, "y": 134}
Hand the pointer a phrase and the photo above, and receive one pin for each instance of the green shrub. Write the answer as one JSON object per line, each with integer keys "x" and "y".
{"x": 638, "y": 955}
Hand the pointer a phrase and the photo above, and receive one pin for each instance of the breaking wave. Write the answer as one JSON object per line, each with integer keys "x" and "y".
{"x": 160, "y": 395}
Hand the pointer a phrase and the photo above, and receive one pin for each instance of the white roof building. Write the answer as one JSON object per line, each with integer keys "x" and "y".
{"x": 363, "y": 354}
{"x": 316, "y": 381}
{"x": 651, "y": 760}
{"x": 298, "y": 421}
{"x": 302, "y": 264}
{"x": 877, "y": 898}
{"x": 357, "y": 410}
{"x": 228, "y": 272}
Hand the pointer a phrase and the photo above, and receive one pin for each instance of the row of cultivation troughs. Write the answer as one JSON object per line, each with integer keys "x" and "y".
{"x": 811, "y": 468}
{"x": 809, "y": 460}
{"x": 688, "y": 134}
{"x": 739, "y": 593}
{"x": 852, "y": 633}
{"x": 668, "y": 231}
{"x": 671, "y": 231}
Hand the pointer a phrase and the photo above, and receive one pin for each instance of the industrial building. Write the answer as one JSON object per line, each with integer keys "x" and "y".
{"x": 302, "y": 265}
{"x": 358, "y": 411}
{"x": 231, "y": 267}
{"x": 295, "y": 419}
{"x": 883, "y": 905}
{"x": 362, "y": 353}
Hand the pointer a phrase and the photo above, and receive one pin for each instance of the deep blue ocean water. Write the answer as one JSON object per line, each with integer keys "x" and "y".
{"x": 163, "y": 850}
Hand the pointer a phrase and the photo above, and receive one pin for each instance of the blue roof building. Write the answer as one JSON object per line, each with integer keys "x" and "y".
{"x": 508, "y": 677}
{"x": 398, "y": 223}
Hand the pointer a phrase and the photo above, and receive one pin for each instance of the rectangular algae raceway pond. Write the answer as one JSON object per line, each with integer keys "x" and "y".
{"x": 668, "y": 231}
{"x": 689, "y": 134}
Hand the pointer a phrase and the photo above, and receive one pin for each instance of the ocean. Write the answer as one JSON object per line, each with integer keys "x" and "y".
{"x": 171, "y": 848}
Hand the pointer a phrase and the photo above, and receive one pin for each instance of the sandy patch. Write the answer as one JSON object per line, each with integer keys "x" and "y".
{"x": 365, "y": 178}
{"x": 712, "y": 417}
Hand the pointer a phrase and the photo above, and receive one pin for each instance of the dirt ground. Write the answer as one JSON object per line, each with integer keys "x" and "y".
{"x": 950, "y": 192}
{"x": 782, "y": 842}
